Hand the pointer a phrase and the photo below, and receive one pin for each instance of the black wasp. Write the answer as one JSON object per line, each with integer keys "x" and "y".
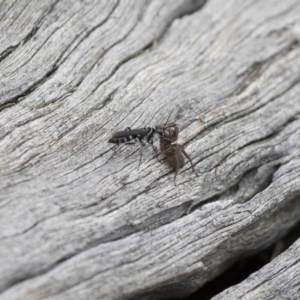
{"x": 142, "y": 136}
{"x": 168, "y": 135}
{"x": 131, "y": 136}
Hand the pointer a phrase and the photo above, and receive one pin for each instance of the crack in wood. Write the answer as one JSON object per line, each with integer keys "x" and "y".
{"x": 189, "y": 235}
{"x": 29, "y": 35}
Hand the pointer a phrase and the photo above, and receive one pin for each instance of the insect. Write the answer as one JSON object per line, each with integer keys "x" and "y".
{"x": 173, "y": 152}
{"x": 142, "y": 135}
{"x": 130, "y": 136}
{"x": 168, "y": 135}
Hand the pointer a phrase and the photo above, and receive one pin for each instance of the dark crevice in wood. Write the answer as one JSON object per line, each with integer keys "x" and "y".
{"x": 60, "y": 62}
{"x": 121, "y": 63}
{"x": 149, "y": 224}
{"x": 260, "y": 140}
{"x": 251, "y": 74}
{"x": 109, "y": 98}
{"x": 182, "y": 12}
{"x": 264, "y": 139}
{"x": 7, "y": 52}
{"x": 38, "y": 25}
{"x": 157, "y": 220}
{"x": 17, "y": 99}
{"x": 274, "y": 156}
{"x": 52, "y": 71}
{"x": 166, "y": 291}
{"x": 198, "y": 5}
{"x": 29, "y": 35}
{"x": 193, "y": 7}
{"x": 232, "y": 191}
{"x": 243, "y": 268}
{"x": 29, "y": 90}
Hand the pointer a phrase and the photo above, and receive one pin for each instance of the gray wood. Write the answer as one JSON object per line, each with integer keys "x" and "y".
{"x": 279, "y": 279}
{"x": 77, "y": 223}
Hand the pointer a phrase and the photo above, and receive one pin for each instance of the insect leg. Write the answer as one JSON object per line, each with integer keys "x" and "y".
{"x": 176, "y": 169}
{"x": 150, "y": 141}
{"x": 187, "y": 156}
{"x": 142, "y": 144}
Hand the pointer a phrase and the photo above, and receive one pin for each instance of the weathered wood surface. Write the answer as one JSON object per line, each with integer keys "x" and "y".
{"x": 279, "y": 279}
{"x": 76, "y": 225}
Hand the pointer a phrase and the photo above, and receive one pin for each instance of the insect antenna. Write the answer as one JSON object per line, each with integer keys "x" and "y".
{"x": 142, "y": 144}
{"x": 168, "y": 118}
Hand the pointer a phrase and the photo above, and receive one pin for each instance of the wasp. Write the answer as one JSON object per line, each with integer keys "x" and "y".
{"x": 143, "y": 135}
{"x": 168, "y": 135}
{"x": 130, "y": 136}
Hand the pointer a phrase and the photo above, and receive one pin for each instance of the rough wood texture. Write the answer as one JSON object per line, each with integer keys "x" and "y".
{"x": 279, "y": 279}
{"x": 78, "y": 225}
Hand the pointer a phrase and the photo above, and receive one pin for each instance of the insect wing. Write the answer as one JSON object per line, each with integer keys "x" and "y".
{"x": 128, "y": 135}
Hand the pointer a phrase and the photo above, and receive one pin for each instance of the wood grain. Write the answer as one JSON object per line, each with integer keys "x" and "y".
{"x": 77, "y": 223}
{"x": 277, "y": 280}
